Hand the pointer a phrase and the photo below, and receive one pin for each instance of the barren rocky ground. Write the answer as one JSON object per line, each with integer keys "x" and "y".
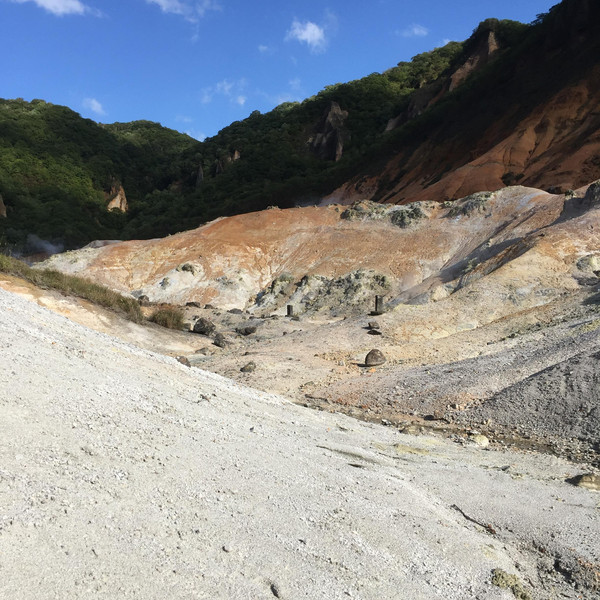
{"x": 126, "y": 474}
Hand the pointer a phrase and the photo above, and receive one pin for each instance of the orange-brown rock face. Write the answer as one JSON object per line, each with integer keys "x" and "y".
{"x": 557, "y": 147}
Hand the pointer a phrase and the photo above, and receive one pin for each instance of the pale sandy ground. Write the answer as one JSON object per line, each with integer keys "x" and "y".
{"x": 124, "y": 474}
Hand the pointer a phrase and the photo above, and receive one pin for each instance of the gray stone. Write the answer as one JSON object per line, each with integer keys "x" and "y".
{"x": 249, "y": 367}
{"x": 592, "y": 196}
{"x": 246, "y": 329}
{"x": 588, "y": 480}
{"x": 204, "y": 326}
{"x": 375, "y": 358}
{"x": 222, "y": 341}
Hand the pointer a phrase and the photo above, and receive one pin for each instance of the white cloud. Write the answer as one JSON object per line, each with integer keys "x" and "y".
{"x": 415, "y": 30}
{"x": 190, "y": 10}
{"x": 229, "y": 89}
{"x": 308, "y": 33}
{"x": 61, "y": 7}
{"x": 93, "y": 105}
{"x": 263, "y": 49}
{"x": 224, "y": 87}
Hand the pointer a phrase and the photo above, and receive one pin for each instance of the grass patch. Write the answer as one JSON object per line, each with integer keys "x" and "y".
{"x": 169, "y": 317}
{"x": 74, "y": 286}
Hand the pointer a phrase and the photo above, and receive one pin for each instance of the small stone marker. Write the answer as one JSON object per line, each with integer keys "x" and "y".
{"x": 378, "y": 305}
{"x": 375, "y": 358}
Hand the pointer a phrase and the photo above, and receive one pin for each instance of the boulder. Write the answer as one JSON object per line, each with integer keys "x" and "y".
{"x": 375, "y": 358}
{"x": 204, "y": 326}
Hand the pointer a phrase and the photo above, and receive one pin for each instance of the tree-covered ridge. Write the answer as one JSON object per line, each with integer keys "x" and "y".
{"x": 56, "y": 168}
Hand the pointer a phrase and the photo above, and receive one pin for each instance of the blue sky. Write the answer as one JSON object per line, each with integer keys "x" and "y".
{"x": 198, "y": 65}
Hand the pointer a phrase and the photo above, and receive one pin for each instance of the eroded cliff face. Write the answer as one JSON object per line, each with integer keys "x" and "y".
{"x": 117, "y": 200}
{"x": 330, "y": 135}
{"x": 557, "y": 148}
{"x": 485, "y": 46}
{"x": 486, "y": 49}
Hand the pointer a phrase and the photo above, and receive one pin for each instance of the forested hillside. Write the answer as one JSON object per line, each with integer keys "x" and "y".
{"x": 58, "y": 171}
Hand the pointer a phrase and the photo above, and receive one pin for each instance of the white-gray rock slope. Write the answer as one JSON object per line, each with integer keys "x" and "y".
{"x": 124, "y": 474}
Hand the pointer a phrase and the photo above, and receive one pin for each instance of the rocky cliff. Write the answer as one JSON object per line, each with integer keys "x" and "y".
{"x": 330, "y": 135}
{"x": 529, "y": 117}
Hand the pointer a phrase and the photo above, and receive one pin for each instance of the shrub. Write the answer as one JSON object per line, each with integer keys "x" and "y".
{"x": 169, "y": 317}
{"x": 74, "y": 286}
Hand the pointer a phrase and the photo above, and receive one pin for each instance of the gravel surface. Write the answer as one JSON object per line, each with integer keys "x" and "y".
{"x": 126, "y": 474}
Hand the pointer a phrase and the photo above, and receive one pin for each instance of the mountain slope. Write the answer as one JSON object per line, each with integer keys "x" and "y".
{"x": 529, "y": 117}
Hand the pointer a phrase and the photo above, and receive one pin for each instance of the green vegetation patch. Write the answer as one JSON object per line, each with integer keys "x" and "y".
{"x": 74, "y": 286}
{"x": 169, "y": 317}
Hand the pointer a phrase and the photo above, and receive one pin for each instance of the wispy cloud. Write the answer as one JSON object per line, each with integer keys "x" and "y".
{"x": 93, "y": 105}
{"x": 263, "y": 49}
{"x": 227, "y": 88}
{"x": 308, "y": 33}
{"x": 62, "y": 7}
{"x": 190, "y": 10}
{"x": 415, "y": 30}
